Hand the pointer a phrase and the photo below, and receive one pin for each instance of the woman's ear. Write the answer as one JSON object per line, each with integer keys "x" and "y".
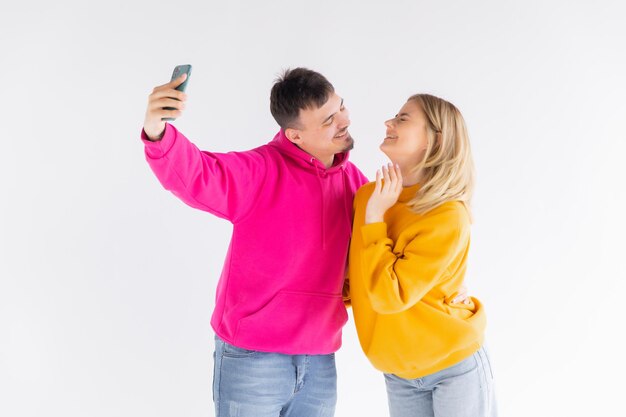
{"x": 438, "y": 141}
{"x": 438, "y": 138}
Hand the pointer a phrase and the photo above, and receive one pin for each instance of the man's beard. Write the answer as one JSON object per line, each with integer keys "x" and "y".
{"x": 350, "y": 143}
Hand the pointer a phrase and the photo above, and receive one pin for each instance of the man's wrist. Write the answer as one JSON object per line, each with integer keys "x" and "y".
{"x": 154, "y": 138}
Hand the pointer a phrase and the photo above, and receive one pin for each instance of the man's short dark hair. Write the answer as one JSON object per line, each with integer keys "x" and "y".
{"x": 295, "y": 89}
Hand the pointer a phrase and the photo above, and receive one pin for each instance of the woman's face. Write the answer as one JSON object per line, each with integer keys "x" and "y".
{"x": 407, "y": 135}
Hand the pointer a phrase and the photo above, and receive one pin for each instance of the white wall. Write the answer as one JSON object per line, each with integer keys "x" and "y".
{"x": 107, "y": 281}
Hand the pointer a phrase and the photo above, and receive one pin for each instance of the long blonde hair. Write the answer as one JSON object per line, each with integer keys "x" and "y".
{"x": 447, "y": 169}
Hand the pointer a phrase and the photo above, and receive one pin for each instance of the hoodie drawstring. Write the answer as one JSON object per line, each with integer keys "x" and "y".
{"x": 319, "y": 180}
{"x": 348, "y": 198}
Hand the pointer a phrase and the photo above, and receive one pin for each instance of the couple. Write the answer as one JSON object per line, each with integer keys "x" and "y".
{"x": 296, "y": 211}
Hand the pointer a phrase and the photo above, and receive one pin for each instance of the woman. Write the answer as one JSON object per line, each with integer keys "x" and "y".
{"x": 407, "y": 263}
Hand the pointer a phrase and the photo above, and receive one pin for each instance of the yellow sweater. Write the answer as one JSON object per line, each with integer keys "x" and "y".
{"x": 403, "y": 275}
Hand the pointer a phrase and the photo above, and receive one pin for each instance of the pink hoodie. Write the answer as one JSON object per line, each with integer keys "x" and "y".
{"x": 281, "y": 285}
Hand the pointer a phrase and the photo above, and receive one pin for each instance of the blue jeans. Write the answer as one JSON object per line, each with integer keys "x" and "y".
{"x": 260, "y": 384}
{"x": 462, "y": 390}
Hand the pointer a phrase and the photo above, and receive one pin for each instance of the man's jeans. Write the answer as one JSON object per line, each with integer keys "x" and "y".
{"x": 462, "y": 390}
{"x": 260, "y": 384}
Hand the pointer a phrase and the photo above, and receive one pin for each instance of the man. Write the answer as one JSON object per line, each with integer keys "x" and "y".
{"x": 279, "y": 307}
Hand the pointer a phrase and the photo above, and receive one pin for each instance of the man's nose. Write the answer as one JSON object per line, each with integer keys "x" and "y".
{"x": 344, "y": 121}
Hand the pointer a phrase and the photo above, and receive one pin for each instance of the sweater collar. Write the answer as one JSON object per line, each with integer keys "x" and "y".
{"x": 408, "y": 193}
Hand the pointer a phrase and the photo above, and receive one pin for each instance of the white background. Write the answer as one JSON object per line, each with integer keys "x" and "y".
{"x": 107, "y": 281}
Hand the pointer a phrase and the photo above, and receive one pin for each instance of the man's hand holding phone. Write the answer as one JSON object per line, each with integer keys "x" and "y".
{"x": 166, "y": 102}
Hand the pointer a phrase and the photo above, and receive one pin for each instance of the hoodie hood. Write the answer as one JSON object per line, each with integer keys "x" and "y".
{"x": 286, "y": 147}
{"x": 300, "y": 157}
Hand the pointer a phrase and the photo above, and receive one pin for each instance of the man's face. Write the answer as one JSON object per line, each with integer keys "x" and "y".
{"x": 323, "y": 132}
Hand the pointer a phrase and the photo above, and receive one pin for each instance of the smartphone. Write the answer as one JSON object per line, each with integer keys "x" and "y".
{"x": 178, "y": 71}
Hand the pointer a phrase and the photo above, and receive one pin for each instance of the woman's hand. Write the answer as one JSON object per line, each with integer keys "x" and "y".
{"x": 462, "y": 296}
{"x": 386, "y": 193}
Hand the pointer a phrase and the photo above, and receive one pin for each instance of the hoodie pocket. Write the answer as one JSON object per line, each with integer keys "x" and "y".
{"x": 295, "y": 322}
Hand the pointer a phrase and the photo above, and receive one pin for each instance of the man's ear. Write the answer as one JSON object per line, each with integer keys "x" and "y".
{"x": 293, "y": 135}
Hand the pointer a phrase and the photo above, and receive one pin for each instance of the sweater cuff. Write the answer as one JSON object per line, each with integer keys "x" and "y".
{"x": 373, "y": 232}
{"x": 159, "y": 148}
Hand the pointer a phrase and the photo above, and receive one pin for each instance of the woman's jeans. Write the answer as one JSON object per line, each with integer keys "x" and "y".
{"x": 462, "y": 390}
{"x": 260, "y": 384}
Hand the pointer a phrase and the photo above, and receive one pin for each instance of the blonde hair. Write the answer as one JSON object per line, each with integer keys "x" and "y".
{"x": 447, "y": 169}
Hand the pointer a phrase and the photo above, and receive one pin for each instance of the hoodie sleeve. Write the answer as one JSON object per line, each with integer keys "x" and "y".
{"x": 224, "y": 184}
{"x": 397, "y": 281}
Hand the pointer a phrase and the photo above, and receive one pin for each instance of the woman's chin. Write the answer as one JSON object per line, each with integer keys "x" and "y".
{"x": 384, "y": 149}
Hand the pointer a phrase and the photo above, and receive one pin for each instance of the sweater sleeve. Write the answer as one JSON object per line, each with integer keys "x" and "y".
{"x": 396, "y": 281}
{"x": 224, "y": 184}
